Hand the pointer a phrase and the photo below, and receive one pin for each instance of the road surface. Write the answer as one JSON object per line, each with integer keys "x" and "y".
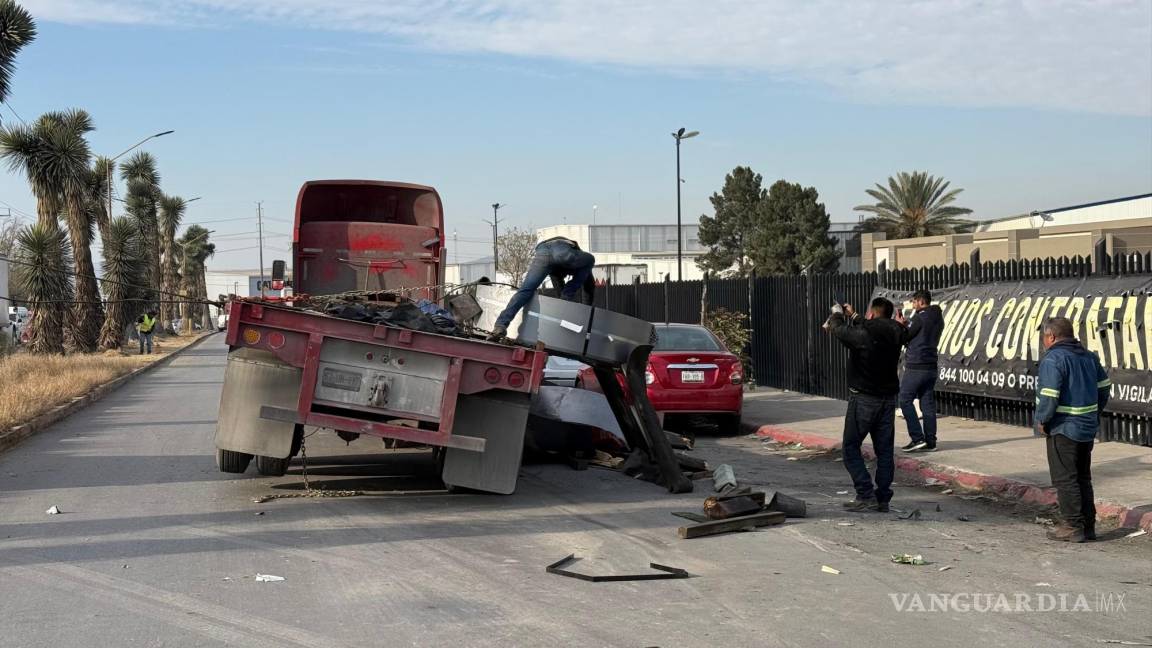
{"x": 156, "y": 548}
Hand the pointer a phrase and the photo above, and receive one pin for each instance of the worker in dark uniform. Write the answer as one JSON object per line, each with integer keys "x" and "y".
{"x": 1071, "y": 392}
{"x": 570, "y": 269}
{"x": 873, "y": 356}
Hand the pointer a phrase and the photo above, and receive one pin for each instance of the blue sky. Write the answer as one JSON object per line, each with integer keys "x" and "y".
{"x": 552, "y": 107}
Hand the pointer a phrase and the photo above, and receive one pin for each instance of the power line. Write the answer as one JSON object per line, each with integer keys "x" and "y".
{"x": 102, "y": 280}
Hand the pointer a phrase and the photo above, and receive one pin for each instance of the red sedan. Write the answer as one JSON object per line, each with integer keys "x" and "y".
{"x": 690, "y": 373}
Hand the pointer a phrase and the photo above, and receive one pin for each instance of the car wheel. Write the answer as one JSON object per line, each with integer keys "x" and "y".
{"x": 272, "y": 466}
{"x": 230, "y": 461}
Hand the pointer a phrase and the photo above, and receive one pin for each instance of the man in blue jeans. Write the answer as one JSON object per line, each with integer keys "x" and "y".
{"x": 558, "y": 258}
{"x": 873, "y": 357}
{"x": 921, "y": 336}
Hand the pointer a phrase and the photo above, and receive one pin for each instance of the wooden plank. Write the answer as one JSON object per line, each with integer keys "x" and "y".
{"x": 732, "y": 524}
{"x": 688, "y": 515}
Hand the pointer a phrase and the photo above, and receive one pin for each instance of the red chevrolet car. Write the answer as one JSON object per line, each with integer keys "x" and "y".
{"x": 690, "y": 374}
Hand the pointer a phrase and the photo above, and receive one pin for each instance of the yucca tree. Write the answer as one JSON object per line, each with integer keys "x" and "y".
{"x": 17, "y": 29}
{"x": 197, "y": 250}
{"x": 139, "y": 171}
{"x": 41, "y": 249}
{"x": 102, "y": 170}
{"x": 171, "y": 212}
{"x": 913, "y": 205}
{"x": 67, "y": 152}
{"x": 123, "y": 262}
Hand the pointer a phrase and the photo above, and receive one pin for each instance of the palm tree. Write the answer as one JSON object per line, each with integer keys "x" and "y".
{"x": 139, "y": 171}
{"x": 913, "y": 205}
{"x": 17, "y": 29}
{"x": 171, "y": 211}
{"x": 40, "y": 248}
{"x": 123, "y": 262}
{"x": 66, "y": 151}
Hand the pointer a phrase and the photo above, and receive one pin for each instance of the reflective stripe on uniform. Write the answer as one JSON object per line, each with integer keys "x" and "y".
{"x": 1048, "y": 391}
{"x": 1068, "y": 409}
{"x": 1104, "y": 383}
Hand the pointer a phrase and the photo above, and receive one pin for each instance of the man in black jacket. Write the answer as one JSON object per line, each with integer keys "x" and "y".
{"x": 873, "y": 356}
{"x": 921, "y": 336}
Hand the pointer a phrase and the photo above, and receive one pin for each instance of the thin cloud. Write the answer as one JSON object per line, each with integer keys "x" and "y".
{"x": 1079, "y": 55}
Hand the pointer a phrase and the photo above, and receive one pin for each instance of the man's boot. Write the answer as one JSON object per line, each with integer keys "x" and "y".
{"x": 1066, "y": 533}
{"x": 499, "y": 332}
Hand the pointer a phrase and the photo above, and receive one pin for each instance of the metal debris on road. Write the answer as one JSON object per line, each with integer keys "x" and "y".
{"x": 55, "y": 510}
{"x": 1136, "y": 534}
{"x": 829, "y": 570}
{"x": 717, "y": 508}
{"x": 947, "y": 491}
{"x": 845, "y": 524}
{"x": 908, "y": 559}
{"x": 688, "y": 515}
{"x": 268, "y": 578}
{"x": 963, "y": 518}
{"x": 914, "y": 515}
{"x": 259, "y": 513}
{"x": 945, "y": 568}
{"x": 665, "y": 572}
{"x": 742, "y": 523}
{"x": 792, "y": 459}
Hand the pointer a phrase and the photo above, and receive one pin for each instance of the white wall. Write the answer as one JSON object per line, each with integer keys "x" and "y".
{"x": 1117, "y": 211}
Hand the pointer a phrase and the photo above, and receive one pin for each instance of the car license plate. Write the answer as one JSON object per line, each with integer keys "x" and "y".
{"x": 692, "y": 376}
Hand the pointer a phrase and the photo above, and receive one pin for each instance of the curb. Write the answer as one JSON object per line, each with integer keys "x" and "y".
{"x": 1002, "y": 487}
{"x": 12, "y": 437}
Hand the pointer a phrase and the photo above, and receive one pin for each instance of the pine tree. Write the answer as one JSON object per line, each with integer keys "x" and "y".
{"x": 728, "y": 233}
{"x": 793, "y": 232}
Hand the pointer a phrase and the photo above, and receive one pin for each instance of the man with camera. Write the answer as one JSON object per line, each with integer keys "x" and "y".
{"x": 874, "y": 345}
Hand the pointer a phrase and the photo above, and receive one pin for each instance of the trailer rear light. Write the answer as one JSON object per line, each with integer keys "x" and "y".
{"x": 251, "y": 336}
{"x": 516, "y": 379}
{"x": 276, "y": 340}
{"x": 492, "y": 375}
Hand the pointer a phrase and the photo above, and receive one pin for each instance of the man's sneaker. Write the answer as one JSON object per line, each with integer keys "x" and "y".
{"x": 911, "y": 444}
{"x": 498, "y": 333}
{"x": 881, "y": 507}
{"x": 860, "y": 505}
{"x": 1089, "y": 533}
{"x": 1065, "y": 533}
{"x": 929, "y": 447}
{"x": 916, "y": 447}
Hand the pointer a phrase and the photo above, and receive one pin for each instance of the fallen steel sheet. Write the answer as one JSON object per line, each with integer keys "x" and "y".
{"x": 666, "y": 573}
{"x": 578, "y": 406}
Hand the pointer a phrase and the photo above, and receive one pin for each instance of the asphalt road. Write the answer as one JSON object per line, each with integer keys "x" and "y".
{"x": 156, "y": 548}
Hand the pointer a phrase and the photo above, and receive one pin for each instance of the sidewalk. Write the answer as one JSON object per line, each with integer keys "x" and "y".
{"x": 1001, "y": 460}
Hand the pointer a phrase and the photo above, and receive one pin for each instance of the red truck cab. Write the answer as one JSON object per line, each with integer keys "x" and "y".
{"x": 289, "y": 366}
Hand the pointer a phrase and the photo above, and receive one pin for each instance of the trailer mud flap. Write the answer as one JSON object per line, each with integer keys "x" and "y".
{"x": 253, "y": 382}
{"x": 500, "y": 419}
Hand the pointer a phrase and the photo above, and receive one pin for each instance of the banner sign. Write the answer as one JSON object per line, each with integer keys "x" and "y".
{"x": 991, "y": 341}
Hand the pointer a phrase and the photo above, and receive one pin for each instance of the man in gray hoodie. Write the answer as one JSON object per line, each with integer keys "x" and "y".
{"x": 921, "y": 336}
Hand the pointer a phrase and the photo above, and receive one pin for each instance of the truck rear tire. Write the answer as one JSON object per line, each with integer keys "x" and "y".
{"x": 230, "y": 461}
{"x": 271, "y": 466}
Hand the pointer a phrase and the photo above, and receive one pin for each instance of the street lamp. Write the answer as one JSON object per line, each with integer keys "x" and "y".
{"x": 111, "y": 163}
{"x": 495, "y": 222}
{"x": 594, "y": 208}
{"x": 680, "y": 135}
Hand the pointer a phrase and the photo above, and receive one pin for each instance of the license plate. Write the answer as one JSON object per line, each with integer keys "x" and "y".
{"x": 336, "y": 379}
{"x": 692, "y": 376}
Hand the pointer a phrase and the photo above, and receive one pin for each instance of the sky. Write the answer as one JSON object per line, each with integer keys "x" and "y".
{"x": 553, "y": 106}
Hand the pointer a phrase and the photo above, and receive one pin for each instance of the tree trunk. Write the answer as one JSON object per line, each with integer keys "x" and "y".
{"x": 86, "y": 313}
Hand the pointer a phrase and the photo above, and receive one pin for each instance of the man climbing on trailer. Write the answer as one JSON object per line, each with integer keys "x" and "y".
{"x": 559, "y": 258}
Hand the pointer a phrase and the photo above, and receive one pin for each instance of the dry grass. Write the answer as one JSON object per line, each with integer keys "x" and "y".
{"x": 33, "y": 384}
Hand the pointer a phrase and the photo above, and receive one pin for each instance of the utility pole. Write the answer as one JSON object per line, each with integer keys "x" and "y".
{"x": 260, "y": 236}
{"x": 495, "y": 222}
{"x": 455, "y": 247}
{"x": 594, "y": 208}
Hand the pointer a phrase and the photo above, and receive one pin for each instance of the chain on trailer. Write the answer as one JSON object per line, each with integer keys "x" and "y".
{"x": 308, "y": 491}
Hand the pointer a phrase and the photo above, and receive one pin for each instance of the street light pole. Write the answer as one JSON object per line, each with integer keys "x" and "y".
{"x": 111, "y": 164}
{"x": 680, "y": 135}
{"x": 495, "y": 222}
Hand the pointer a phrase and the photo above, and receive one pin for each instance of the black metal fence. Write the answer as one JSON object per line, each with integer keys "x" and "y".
{"x": 789, "y": 350}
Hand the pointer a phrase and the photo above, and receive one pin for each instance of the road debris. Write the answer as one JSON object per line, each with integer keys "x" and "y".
{"x": 258, "y": 513}
{"x": 688, "y": 515}
{"x": 717, "y": 508}
{"x": 55, "y": 510}
{"x": 845, "y": 524}
{"x": 1043, "y": 521}
{"x": 665, "y": 572}
{"x": 723, "y": 478}
{"x": 932, "y": 481}
{"x": 793, "y": 507}
{"x": 268, "y": 578}
{"x": 1043, "y": 585}
{"x": 843, "y": 492}
{"x": 908, "y": 559}
{"x": 913, "y": 515}
{"x": 605, "y": 460}
{"x": 690, "y": 463}
{"x": 947, "y": 491}
{"x": 963, "y": 518}
{"x": 830, "y": 570}
{"x": 743, "y": 523}
{"x": 938, "y": 509}
{"x": 1136, "y": 534}
{"x": 944, "y": 568}
{"x": 1122, "y": 642}
{"x": 792, "y": 459}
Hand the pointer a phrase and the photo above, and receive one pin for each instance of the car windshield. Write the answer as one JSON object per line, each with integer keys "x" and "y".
{"x": 685, "y": 338}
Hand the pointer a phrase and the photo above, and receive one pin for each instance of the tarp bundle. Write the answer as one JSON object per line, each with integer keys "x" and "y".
{"x": 402, "y": 315}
